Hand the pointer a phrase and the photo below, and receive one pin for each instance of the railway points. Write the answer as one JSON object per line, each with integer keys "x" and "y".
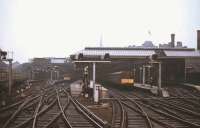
{"x": 107, "y": 87}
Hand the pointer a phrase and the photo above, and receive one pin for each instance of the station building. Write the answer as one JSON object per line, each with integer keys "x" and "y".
{"x": 179, "y": 64}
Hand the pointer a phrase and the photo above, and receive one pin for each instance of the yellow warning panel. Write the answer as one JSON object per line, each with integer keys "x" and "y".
{"x": 127, "y": 81}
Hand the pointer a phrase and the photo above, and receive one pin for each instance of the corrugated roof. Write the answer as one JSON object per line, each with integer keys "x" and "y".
{"x": 118, "y": 52}
{"x": 182, "y": 53}
{"x": 138, "y": 48}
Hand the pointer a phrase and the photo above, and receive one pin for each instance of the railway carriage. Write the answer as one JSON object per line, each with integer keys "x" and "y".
{"x": 123, "y": 78}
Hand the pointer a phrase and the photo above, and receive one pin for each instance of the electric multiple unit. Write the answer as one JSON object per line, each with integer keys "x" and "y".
{"x": 124, "y": 78}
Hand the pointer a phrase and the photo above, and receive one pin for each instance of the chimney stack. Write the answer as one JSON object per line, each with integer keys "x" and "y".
{"x": 198, "y": 39}
{"x": 173, "y": 40}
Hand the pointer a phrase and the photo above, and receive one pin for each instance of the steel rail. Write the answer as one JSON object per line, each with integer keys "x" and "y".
{"x": 174, "y": 116}
{"x": 171, "y": 116}
{"x": 113, "y": 115}
{"x": 140, "y": 112}
{"x": 169, "y": 105}
{"x": 63, "y": 113}
{"x": 98, "y": 122}
{"x": 172, "y": 106}
{"x": 159, "y": 98}
{"x": 123, "y": 115}
{"x": 151, "y": 118}
{"x": 140, "y": 109}
{"x": 56, "y": 117}
{"x": 59, "y": 113}
{"x": 39, "y": 114}
{"x": 37, "y": 111}
{"x": 18, "y": 110}
{"x": 11, "y": 106}
{"x": 123, "y": 121}
{"x": 89, "y": 115}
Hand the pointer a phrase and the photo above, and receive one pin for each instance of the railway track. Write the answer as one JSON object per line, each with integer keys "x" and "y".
{"x": 7, "y": 111}
{"x": 183, "y": 114}
{"x": 177, "y": 98}
{"x": 52, "y": 116}
{"x": 80, "y": 116}
{"x": 69, "y": 114}
{"x": 119, "y": 115}
{"x": 159, "y": 112}
{"x": 53, "y": 108}
{"x": 134, "y": 117}
{"x": 26, "y": 110}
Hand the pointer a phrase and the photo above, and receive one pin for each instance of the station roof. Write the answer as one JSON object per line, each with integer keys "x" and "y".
{"x": 118, "y": 52}
{"x": 135, "y": 52}
{"x": 183, "y": 53}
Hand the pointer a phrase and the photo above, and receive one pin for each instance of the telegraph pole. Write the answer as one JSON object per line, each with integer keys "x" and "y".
{"x": 159, "y": 76}
{"x": 4, "y": 57}
{"x": 51, "y": 74}
{"x": 10, "y": 76}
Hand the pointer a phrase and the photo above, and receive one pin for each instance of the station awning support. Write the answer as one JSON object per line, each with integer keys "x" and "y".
{"x": 159, "y": 74}
{"x": 143, "y": 75}
{"x": 94, "y": 79}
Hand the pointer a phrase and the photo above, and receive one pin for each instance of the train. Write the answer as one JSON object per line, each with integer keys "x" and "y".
{"x": 123, "y": 78}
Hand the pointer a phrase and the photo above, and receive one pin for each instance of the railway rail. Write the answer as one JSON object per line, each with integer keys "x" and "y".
{"x": 53, "y": 107}
{"x": 185, "y": 115}
{"x": 136, "y": 116}
{"x": 119, "y": 115}
{"x": 159, "y": 111}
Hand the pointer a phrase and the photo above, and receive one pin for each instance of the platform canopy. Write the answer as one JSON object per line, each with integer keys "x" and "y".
{"x": 134, "y": 52}
{"x": 182, "y": 53}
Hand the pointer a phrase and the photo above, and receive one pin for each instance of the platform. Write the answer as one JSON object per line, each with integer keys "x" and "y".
{"x": 197, "y": 87}
{"x": 152, "y": 89}
{"x": 76, "y": 88}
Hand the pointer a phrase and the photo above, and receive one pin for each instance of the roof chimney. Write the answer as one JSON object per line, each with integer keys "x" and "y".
{"x": 198, "y": 39}
{"x": 172, "y": 40}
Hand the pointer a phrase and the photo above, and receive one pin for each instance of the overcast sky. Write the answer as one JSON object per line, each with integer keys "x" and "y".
{"x": 58, "y": 28}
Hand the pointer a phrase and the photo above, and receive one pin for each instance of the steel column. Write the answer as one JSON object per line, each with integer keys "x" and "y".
{"x": 94, "y": 77}
{"x": 143, "y": 75}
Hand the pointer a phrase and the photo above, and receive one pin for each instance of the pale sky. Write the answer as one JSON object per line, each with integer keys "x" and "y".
{"x": 58, "y": 28}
